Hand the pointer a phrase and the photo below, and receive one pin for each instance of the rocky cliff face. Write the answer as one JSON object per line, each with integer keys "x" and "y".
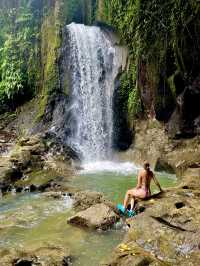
{"x": 164, "y": 48}
{"x": 152, "y": 143}
{"x": 162, "y": 79}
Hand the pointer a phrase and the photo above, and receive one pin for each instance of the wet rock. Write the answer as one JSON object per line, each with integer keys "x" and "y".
{"x": 33, "y": 188}
{"x": 21, "y": 158}
{"x": 28, "y": 153}
{"x": 85, "y": 199}
{"x": 49, "y": 186}
{"x": 13, "y": 175}
{"x": 184, "y": 122}
{"x": 7, "y": 140}
{"x": 29, "y": 141}
{"x": 42, "y": 256}
{"x": 55, "y": 142}
{"x": 30, "y": 156}
{"x": 26, "y": 157}
{"x": 163, "y": 166}
{"x": 167, "y": 232}
{"x": 53, "y": 194}
{"x": 99, "y": 216}
{"x": 8, "y": 174}
{"x": 19, "y": 189}
{"x": 152, "y": 143}
{"x": 131, "y": 254}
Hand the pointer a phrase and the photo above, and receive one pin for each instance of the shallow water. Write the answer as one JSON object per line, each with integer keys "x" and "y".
{"x": 32, "y": 220}
{"x": 115, "y": 179}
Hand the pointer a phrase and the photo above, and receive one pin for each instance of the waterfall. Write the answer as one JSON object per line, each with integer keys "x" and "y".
{"x": 94, "y": 63}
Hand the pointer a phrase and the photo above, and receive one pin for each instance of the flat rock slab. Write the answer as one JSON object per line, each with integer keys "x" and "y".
{"x": 99, "y": 216}
{"x": 166, "y": 233}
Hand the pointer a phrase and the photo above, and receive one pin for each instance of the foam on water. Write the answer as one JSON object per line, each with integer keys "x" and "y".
{"x": 121, "y": 168}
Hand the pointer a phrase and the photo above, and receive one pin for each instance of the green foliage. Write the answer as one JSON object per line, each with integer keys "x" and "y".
{"x": 18, "y": 51}
{"x": 134, "y": 104}
{"x": 160, "y": 35}
{"x": 145, "y": 25}
{"x": 131, "y": 93}
{"x": 12, "y": 76}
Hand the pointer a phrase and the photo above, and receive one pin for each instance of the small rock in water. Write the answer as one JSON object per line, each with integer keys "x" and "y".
{"x": 99, "y": 216}
{"x": 53, "y": 194}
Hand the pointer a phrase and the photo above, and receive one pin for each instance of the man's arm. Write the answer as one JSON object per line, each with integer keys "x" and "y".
{"x": 156, "y": 182}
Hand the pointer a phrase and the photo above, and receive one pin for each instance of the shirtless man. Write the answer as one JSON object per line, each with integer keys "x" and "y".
{"x": 142, "y": 189}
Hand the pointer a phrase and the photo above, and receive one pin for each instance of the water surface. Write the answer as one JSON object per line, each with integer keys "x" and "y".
{"x": 32, "y": 220}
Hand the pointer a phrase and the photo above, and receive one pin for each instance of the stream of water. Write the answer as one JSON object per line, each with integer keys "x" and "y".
{"x": 32, "y": 220}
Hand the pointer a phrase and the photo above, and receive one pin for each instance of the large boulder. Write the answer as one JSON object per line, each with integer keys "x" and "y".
{"x": 98, "y": 216}
{"x": 167, "y": 232}
{"x": 28, "y": 153}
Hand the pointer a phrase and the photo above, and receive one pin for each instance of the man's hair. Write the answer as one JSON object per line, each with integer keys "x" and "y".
{"x": 146, "y": 165}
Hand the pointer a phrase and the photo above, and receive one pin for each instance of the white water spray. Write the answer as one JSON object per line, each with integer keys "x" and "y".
{"x": 94, "y": 64}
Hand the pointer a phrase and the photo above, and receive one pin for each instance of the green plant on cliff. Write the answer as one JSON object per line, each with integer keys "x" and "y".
{"x": 12, "y": 78}
{"x": 133, "y": 102}
{"x": 18, "y": 51}
{"x": 162, "y": 36}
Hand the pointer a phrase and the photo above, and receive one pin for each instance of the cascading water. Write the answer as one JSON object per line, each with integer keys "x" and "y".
{"x": 94, "y": 65}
